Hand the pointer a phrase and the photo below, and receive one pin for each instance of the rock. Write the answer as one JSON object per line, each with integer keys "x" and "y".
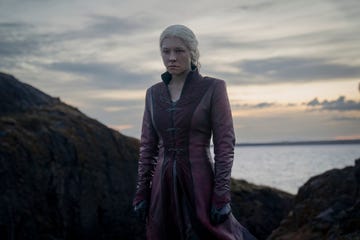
{"x": 16, "y": 96}
{"x": 326, "y": 207}
{"x": 259, "y": 208}
{"x": 65, "y": 176}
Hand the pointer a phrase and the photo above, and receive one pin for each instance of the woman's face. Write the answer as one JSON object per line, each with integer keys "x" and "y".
{"x": 176, "y": 56}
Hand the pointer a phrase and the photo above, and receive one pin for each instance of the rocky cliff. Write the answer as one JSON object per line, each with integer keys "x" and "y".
{"x": 326, "y": 207}
{"x": 63, "y": 175}
{"x": 66, "y": 176}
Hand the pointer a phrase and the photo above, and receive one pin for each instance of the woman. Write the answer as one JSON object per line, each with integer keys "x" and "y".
{"x": 180, "y": 192}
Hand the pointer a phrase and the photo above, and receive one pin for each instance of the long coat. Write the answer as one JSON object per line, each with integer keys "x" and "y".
{"x": 176, "y": 172}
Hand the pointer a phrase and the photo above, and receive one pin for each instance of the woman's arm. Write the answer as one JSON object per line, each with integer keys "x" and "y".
{"x": 224, "y": 141}
{"x": 148, "y": 153}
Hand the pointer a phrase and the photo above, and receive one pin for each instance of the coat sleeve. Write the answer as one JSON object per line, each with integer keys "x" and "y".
{"x": 148, "y": 153}
{"x": 224, "y": 141}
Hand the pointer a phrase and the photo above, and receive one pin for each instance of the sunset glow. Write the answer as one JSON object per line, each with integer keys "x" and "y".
{"x": 292, "y": 68}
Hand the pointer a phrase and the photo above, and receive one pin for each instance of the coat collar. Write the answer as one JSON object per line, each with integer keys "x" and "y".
{"x": 166, "y": 76}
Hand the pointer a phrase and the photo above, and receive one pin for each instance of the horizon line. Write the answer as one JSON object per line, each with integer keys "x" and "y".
{"x": 303, "y": 142}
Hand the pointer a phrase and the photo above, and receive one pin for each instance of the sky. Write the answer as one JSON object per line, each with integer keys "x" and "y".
{"x": 292, "y": 68}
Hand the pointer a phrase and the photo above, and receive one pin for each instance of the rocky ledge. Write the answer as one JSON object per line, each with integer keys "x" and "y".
{"x": 326, "y": 207}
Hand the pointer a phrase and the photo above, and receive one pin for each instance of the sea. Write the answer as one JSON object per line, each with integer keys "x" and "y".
{"x": 288, "y": 167}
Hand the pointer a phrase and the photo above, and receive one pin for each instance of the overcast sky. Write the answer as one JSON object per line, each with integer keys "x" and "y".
{"x": 292, "y": 67}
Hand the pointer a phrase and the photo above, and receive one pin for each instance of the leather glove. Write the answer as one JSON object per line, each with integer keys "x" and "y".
{"x": 141, "y": 210}
{"x": 219, "y": 215}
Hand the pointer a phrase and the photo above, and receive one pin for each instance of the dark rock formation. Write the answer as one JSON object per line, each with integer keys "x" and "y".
{"x": 65, "y": 176}
{"x": 260, "y": 209}
{"x": 62, "y": 174}
{"x": 16, "y": 96}
{"x": 326, "y": 207}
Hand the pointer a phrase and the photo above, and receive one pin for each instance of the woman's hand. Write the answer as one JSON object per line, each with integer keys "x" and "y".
{"x": 141, "y": 210}
{"x": 219, "y": 215}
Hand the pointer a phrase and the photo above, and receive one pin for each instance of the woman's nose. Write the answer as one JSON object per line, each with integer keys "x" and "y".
{"x": 172, "y": 56}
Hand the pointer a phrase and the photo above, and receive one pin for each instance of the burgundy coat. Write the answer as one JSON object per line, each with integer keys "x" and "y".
{"x": 176, "y": 173}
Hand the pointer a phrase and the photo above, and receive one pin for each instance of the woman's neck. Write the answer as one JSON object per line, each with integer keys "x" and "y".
{"x": 179, "y": 79}
{"x": 176, "y": 85}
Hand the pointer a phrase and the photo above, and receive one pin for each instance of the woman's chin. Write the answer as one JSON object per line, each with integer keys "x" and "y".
{"x": 175, "y": 72}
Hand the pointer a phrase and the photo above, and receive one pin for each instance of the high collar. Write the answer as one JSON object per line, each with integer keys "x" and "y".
{"x": 166, "y": 76}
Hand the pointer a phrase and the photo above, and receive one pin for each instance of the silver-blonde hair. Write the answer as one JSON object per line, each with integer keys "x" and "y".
{"x": 187, "y": 36}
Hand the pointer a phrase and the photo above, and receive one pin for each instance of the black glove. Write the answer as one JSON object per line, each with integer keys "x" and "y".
{"x": 218, "y": 216}
{"x": 141, "y": 210}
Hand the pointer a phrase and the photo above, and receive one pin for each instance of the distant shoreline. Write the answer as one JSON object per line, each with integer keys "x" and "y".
{"x": 289, "y": 143}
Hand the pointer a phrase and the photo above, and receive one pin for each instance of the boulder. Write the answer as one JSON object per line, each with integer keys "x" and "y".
{"x": 326, "y": 207}
{"x": 259, "y": 208}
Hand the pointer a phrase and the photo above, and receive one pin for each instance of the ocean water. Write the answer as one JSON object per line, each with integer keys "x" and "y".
{"x": 289, "y": 167}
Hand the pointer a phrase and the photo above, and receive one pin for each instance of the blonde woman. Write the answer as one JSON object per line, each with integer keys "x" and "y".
{"x": 181, "y": 192}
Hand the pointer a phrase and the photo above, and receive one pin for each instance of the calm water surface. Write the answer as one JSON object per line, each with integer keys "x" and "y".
{"x": 289, "y": 167}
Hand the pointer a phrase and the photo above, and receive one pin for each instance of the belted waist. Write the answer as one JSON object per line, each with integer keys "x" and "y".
{"x": 177, "y": 150}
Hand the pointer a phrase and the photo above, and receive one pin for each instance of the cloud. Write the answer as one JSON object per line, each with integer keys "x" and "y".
{"x": 103, "y": 75}
{"x": 96, "y": 34}
{"x": 100, "y": 56}
{"x": 255, "y": 106}
{"x": 345, "y": 118}
{"x": 264, "y": 105}
{"x": 255, "y": 6}
{"x": 17, "y": 39}
{"x": 340, "y": 104}
{"x": 102, "y": 27}
{"x": 21, "y": 39}
{"x": 284, "y": 69}
{"x": 313, "y": 103}
{"x": 122, "y": 25}
{"x": 23, "y": 44}
{"x": 282, "y": 43}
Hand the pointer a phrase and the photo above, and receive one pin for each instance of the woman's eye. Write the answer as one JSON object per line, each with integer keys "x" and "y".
{"x": 179, "y": 50}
